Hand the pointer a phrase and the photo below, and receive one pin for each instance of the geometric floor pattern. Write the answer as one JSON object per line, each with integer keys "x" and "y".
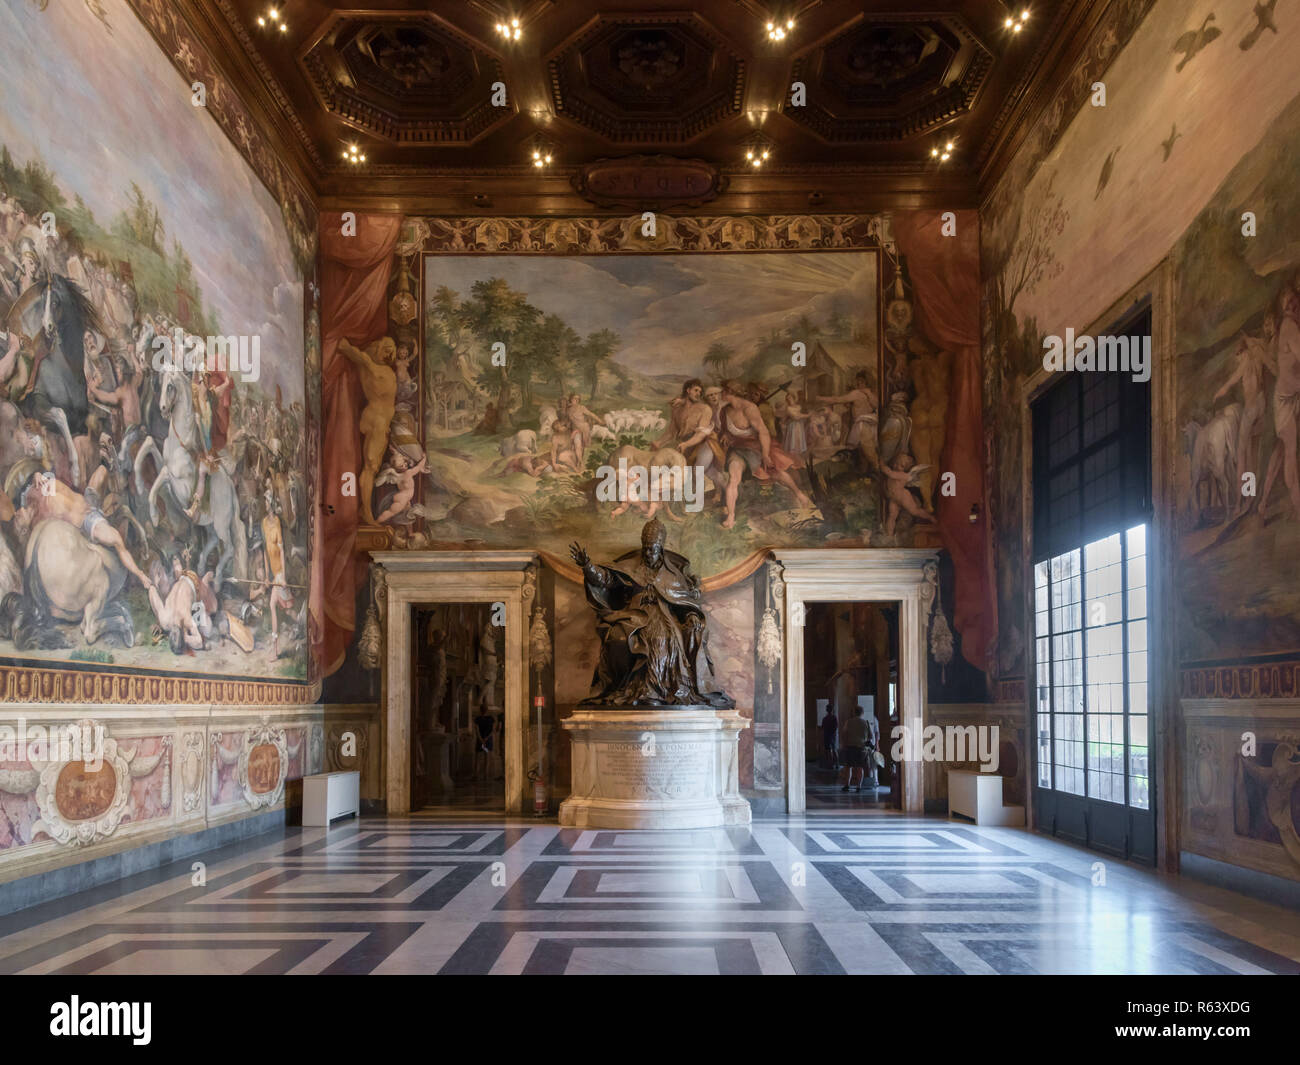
{"x": 839, "y": 891}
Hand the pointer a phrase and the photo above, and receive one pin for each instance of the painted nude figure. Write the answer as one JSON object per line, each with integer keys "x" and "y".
{"x": 865, "y": 407}
{"x": 379, "y": 383}
{"x": 1254, "y": 358}
{"x": 749, "y": 446}
{"x": 48, "y": 497}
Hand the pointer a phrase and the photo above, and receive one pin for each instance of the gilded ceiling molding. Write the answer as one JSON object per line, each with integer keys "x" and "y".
{"x": 432, "y": 235}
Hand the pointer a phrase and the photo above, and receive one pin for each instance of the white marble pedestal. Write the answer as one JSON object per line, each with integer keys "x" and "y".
{"x": 651, "y": 768}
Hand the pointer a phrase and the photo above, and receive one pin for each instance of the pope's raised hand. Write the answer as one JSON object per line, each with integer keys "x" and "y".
{"x": 578, "y": 554}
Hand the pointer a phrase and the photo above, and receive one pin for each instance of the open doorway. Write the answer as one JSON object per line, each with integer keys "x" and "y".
{"x": 851, "y": 705}
{"x": 457, "y": 707}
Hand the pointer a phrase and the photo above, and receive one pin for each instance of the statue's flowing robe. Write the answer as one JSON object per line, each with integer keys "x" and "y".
{"x": 652, "y": 629}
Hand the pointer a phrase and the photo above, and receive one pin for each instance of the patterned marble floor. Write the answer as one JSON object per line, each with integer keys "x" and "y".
{"x": 851, "y": 889}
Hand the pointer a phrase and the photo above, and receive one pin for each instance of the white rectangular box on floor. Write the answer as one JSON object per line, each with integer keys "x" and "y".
{"x": 326, "y": 796}
{"x": 979, "y": 797}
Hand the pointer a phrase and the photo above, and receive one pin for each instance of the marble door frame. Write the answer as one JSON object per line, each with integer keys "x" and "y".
{"x": 835, "y": 575}
{"x": 407, "y": 579}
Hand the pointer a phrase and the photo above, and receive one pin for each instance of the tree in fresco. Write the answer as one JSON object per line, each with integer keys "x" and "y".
{"x": 598, "y": 348}
{"x": 718, "y": 358}
{"x": 496, "y": 314}
{"x": 1020, "y": 250}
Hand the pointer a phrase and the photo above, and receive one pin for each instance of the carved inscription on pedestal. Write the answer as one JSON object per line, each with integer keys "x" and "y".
{"x": 673, "y": 769}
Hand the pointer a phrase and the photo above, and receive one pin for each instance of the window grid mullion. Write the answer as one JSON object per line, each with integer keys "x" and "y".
{"x": 1083, "y": 658}
{"x": 1123, "y": 625}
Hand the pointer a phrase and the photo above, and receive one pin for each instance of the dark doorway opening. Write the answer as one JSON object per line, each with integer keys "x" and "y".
{"x": 457, "y": 707}
{"x": 851, "y": 664}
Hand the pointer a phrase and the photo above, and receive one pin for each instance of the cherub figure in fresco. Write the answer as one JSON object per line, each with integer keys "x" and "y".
{"x": 402, "y": 472}
{"x": 900, "y": 479}
{"x": 379, "y": 383}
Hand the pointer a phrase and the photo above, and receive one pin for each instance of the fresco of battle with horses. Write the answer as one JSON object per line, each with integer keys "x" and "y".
{"x": 152, "y": 506}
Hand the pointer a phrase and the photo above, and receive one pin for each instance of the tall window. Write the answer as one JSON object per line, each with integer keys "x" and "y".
{"x": 1092, "y": 461}
{"x": 1090, "y": 627}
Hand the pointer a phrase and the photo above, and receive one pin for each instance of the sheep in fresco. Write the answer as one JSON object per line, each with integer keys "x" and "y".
{"x": 522, "y": 442}
{"x": 1212, "y": 448}
{"x": 634, "y": 421}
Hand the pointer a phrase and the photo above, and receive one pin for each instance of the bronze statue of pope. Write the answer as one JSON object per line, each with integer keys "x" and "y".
{"x": 652, "y": 628}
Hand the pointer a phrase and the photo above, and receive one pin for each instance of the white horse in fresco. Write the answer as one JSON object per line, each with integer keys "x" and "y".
{"x": 219, "y": 513}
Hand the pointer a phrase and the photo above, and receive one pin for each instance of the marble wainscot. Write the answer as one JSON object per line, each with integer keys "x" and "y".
{"x": 648, "y": 767}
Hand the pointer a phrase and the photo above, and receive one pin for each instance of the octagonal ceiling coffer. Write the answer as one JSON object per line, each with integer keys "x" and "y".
{"x": 662, "y": 78}
{"x": 409, "y": 77}
{"x": 890, "y": 78}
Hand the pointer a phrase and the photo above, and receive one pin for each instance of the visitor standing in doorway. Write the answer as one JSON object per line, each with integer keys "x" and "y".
{"x": 830, "y": 738}
{"x": 856, "y": 736}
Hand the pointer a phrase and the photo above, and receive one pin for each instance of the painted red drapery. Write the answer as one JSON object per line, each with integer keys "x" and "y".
{"x": 945, "y": 279}
{"x": 355, "y": 272}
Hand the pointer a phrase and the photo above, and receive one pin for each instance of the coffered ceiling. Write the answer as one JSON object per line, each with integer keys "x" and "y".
{"x": 418, "y": 89}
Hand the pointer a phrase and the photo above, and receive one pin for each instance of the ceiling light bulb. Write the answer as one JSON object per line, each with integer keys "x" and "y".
{"x": 261, "y": 21}
{"x": 284, "y": 28}
{"x": 771, "y": 26}
{"x": 514, "y": 22}
{"x": 948, "y": 146}
{"x": 789, "y": 24}
{"x": 1024, "y": 15}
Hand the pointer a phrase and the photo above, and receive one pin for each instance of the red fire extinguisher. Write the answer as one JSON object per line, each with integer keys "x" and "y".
{"x": 541, "y": 804}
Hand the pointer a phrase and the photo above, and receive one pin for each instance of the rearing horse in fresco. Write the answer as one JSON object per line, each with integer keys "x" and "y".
{"x": 219, "y": 512}
{"x": 56, "y": 315}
